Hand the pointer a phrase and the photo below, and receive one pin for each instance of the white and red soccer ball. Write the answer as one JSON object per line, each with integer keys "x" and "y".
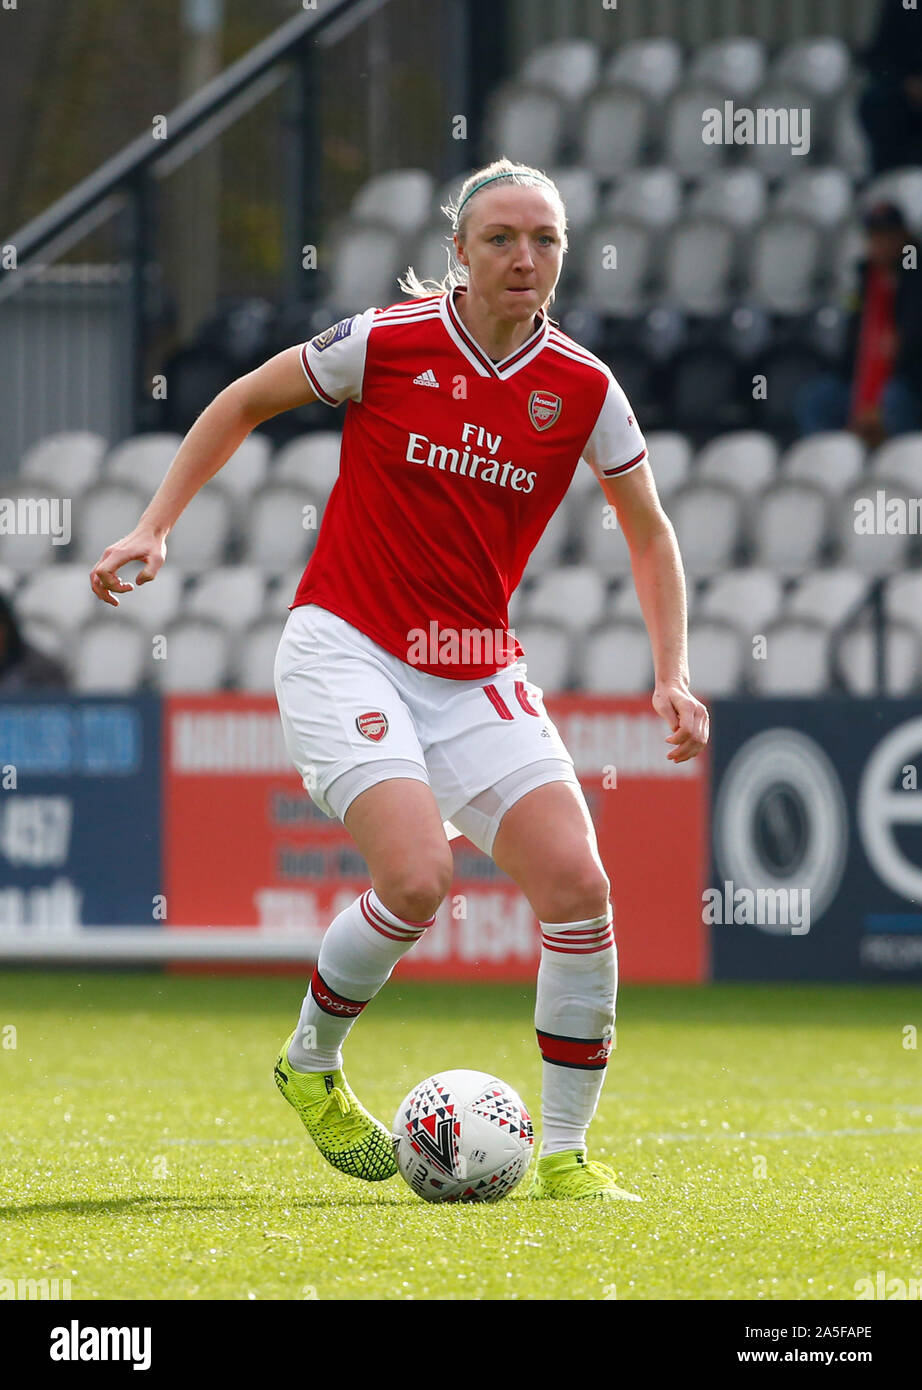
{"x": 463, "y": 1136}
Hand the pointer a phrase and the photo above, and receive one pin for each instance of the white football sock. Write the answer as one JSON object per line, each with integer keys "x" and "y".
{"x": 574, "y": 1020}
{"x": 360, "y": 949}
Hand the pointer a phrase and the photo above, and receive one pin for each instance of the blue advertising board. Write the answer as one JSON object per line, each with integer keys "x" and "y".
{"x": 816, "y": 838}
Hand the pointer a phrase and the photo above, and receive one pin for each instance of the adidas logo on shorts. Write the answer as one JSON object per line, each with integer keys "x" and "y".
{"x": 426, "y": 378}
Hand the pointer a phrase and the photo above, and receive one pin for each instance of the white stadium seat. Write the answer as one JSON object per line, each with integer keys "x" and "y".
{"x": 573, "y": 595}
{"x": 743, "y": 459}
{"x": 614, "y": 123}
{"x": 108, "y": 511}
{"x": 71, "y": 460}
{"x": 616, "y": 283}
{"x": 624, "y": 603}
{"x": 863, "y": 540}
{"x": 143, "y": 460}
{"x": 653, "y": 65}
{"x": 797, "y": 662}
{"x": 900, "y": 186}
{"x": 276, "y": 537}
{"x": 200, "y": 536}
{"x": 152, "y": 606}
{"x": 821, "y": 195}
{"x": 311, "y": 461}
{"x": 716, "y": 656}
{"x": 736, "y": 66}
{"x": 580, "y": 194}
{"x": 233, "y": 595}
{"x": 110, "y": 653}
{"x": 856, "y": 660}
{"x": 49, "y": 637}
{"x": 708, "y": 521}
{"x": 525, "y": 121}
{"x": 849, "y": 146}
{"x": 604, "y": 548}
{"x": 683, "y": 146}
{"x": 253, "y": 667}
{"x": 670, "y": 455}
{"x": 651, "y": 196}
{"x": 569, "y": 66}
{"x": 246, "y": 469}
{"x": 827, "y": 596}
{"x": 791, "y": 522}
{"x": 737, "y": 196}
{"x": 547, "y": 654}
{"x": 698, "y": 264}
{"x": 776, "y": 160}
{"x": 821, "y": 65}
{"x": 903, "y": 599}
{"x": 849, "y": 249}
{"x": 59, "y": 592}
{"x": 785, "y": 261}
{"x": 750, "y": 599}
{"x": 548, "y": 552}
{"x": 401, "y": 198}
{"x": 616, "y": 659}
{"x": 367, "y": 258}
{"x": 900, "y": 459}
{"x": 39, "y": 512}
{"x": 430, "y": 254}
{"x": 832, "y": 460}
{"x": 196, "y": 657}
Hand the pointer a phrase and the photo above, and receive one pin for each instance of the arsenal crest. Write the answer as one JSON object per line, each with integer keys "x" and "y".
{"x": 372, "y": 725}
{"x": 543, "y": 409}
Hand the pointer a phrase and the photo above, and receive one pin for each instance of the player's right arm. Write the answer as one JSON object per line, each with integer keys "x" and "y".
{"x": 279, "y": 384}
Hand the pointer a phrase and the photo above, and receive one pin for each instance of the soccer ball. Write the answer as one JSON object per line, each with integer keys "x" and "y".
{"x": 463, "y": 1136}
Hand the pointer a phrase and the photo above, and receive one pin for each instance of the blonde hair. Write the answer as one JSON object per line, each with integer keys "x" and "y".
{"x": 501, "y": 173}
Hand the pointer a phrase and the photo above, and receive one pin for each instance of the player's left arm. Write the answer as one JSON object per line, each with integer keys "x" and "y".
{"x": 660, "y": 581}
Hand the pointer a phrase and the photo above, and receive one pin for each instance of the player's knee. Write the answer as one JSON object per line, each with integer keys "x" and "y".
{"x": 575, "y": 895}
{"x": 415, "y": 891}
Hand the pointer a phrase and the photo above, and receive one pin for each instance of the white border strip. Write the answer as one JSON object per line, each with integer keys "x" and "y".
{"x": 113, "y": 944}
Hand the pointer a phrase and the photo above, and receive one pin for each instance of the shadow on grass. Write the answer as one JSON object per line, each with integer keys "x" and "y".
{"x": 142, "y": 1203}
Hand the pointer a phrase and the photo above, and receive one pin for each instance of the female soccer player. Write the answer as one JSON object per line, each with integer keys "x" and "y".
{"x": 404, "y": 698}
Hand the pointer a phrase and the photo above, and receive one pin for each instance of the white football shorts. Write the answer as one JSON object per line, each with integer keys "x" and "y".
{"x": 354, "y": 715}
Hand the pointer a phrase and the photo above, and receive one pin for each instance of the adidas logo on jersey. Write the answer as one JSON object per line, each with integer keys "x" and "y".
{"x": 426, "y": 378}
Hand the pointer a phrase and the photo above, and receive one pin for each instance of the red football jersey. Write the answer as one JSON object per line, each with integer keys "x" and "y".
{"x": 450, "y": 468}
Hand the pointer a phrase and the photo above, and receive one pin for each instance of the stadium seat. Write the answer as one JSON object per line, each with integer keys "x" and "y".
{"x": 152, "y": 606}
{"x": 785, "y": 367}
{"x": 670, "y": 455}
{"x": 903, "y": 599}
{"x": 849, "y": 147}
{"x": 615, "y": 660}
{"x": 797, "y": 661}
{"x": 698, "y": 265}
{"x": 430, "y": 253}
{"x": 735, "y": 195}
{"x": 572, "y": 595}
{"x": 196, "y": 657}
{"x": 822, "y": 65}
{"x": 856, "y": 660}
{"x": 108, "y": 511}
{"x": 247, "y": 467}
{"x": 877, "y": 553}
{"x": 49, "y": 637}
{"x": 233, "y": 595}
{"x": 401, "y": 198}
{"x": 823, "y": 196}
{"x": 71, "y": 460}
{"x": 143, "y": 460}
{"x": 736, "y": 66}
{"x": 367, "y": 258}
{"x": 717, "y": 657}
{"x": 662, "y": 332}
{"x": 253, "y": 664}
{"x": 790, "y": 527}
{"x": 653, "y": 65}
{"x": 569, "y": 66}
{"x": 849, "y": 249}
{"x": 525, "y": 121}
{"x": 683, "y": 147}
{"x": 746, "y": 331}
{"x": 604, "y": 548}
{"x": 580, "y": 194}
{"x": 832, "y": 460}
{"x": 900, "y": 186}
{"x": 9, "y": 580}
{"x": 749, "y": 599}
{"x": 110, "y": 654}
{"x": 777, "y": 160}
{"x": 827, "y": 596}
{"x": 708, "y": 521}
{"x": 706, "y": 392}
{"x": 60, "y": 592}
{"x": 900, "y": 459}
{"x": 276, "y": 538}
{"x": 746, "y": 460}
{"x": 547, "y": 654}
{"x": 200, "y": 537}
{"x": 41, "y": 513}
{"x": 311, "y": 461}
{"x": 614, "y": 124}
{"x": 548, "y": 553}
{"x": 785, "y": 260}
{"x": 615, "y": 283}
{"x": 651, "y": 196}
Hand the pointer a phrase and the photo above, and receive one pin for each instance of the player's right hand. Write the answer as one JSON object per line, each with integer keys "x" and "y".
{"x": 142, "y": 544}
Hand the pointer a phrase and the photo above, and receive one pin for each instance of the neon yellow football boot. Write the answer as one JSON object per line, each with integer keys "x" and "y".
{"x": 571, "y": 1176}
{"x": 344, "y": 1132}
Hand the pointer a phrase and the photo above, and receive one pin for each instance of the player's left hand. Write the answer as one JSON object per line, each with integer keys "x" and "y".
{"x": 687, "y": 718}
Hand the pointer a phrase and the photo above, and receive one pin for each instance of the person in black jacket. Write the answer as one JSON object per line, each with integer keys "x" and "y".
{"x": 890, "y": 107}
{"x": 22, "y": 666}
{"x": 878, "y": 390}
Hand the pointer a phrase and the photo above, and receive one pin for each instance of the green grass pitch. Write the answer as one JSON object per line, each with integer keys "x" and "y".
{"x": 775, "y": 1134}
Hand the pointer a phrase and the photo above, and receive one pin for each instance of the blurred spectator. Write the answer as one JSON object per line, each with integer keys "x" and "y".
{"x": 22, "y": 666}
{"x": 879, "y": 390}
{"x": 891, "y": 105}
